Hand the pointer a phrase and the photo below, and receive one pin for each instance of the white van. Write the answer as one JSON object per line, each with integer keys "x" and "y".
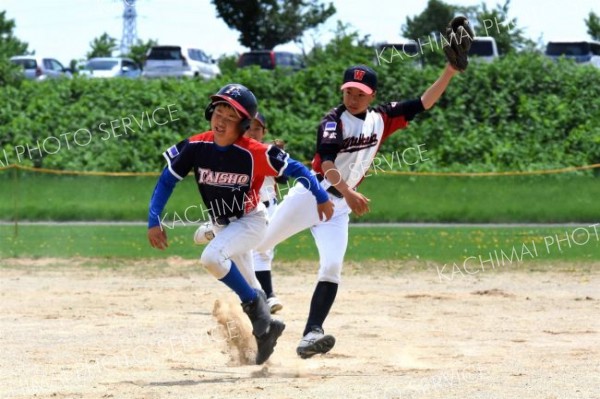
{"x": 179, "y": 61}
{"x": 582, "y": 52}
{"x": 484, "y": 48}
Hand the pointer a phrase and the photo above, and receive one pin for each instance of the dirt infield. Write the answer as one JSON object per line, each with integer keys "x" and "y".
{"x": 71, "y": 330}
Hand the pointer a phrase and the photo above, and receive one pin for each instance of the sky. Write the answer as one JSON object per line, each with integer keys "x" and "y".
{"x": 63, "y": 29}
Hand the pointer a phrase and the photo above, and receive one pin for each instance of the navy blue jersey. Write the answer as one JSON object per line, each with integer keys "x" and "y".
{"x": 228, "y": 178}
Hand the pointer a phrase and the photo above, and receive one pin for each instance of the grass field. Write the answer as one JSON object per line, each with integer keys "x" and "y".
{"x": 555, "y": 198}
{"x": 440, "y": 245}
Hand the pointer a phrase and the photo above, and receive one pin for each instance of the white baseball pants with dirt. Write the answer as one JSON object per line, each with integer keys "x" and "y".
{"x": 234, "y": 242}
{"x": 297, "y": 212}
{"x": 263, "y": 260}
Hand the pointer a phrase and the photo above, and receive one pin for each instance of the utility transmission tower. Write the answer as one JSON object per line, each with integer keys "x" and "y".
{"x": 129, "y": 26}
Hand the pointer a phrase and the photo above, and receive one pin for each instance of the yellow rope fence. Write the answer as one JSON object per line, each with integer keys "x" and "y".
{"x": 383, "y": 172}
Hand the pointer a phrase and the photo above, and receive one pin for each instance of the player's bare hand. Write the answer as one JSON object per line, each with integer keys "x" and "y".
{"x": 357, "y": 202}
{"x": 325, "y": 210}
{"x": 157, "y": 237}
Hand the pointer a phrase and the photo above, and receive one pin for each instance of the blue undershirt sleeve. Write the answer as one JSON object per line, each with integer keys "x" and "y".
{"x": 160, "y": 196}
{"x": 296, "y": 170}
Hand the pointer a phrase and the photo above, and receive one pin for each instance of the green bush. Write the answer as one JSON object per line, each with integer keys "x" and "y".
{"x": 522, "y": 112}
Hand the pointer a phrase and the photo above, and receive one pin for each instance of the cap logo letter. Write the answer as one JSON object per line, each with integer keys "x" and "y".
{"x": 234, "y": 91}
{"x": 359, "y": 74}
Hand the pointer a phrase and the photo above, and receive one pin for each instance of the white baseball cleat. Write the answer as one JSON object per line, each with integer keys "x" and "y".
{"x": 315, "y": 342}
{"x": 274, "y": 304}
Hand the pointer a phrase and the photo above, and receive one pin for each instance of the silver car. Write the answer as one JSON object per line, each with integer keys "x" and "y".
{"x": 40, "y": 68}
{"x": 179, "y": 61}
{"x": 111, "y": 67}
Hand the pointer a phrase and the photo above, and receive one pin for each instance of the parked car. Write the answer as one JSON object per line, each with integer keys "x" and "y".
{"x": 111, "y": 67}
{"x": 269, "y": 59}
{"x": 40, "y": 68}
{"x": 582, "y": 52}
{"x": 179, "y": 61}
{"x": 484, "y": 48}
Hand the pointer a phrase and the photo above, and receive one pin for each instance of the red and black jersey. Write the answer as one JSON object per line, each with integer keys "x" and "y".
{"x": 352, "y": 141}
{"x": 229, "y": 178}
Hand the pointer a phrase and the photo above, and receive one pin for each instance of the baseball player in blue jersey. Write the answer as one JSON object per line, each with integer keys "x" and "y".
{"x": 348, "y": 139}
{"x": 229, "y": 170}
{"x": 268, "y": 196}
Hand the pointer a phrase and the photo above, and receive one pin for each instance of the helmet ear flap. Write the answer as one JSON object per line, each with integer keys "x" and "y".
{"x": 245, "y": 124}
{"x": 208, "y": 112}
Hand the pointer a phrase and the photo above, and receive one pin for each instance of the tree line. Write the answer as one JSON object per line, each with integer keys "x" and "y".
{"x": 264, "y": 24}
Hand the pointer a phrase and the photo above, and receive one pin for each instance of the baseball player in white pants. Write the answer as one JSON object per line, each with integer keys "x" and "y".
{"x": 348, "y": 139}
{"x": 229, "y": 170}
{"x": 268, "y": 196}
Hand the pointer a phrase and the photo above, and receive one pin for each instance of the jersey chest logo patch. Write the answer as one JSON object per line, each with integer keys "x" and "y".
{"x": 353, "y": 144}
{"x": 223, "y": 179}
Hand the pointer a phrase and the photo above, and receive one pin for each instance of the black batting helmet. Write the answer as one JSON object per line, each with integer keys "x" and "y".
{"x": 240, "y": 98}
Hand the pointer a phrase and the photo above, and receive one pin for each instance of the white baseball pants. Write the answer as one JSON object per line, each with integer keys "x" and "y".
{"x": 298, "y": 211}
{"x": 264, "y": 260}
{"x": 234, "y": 242}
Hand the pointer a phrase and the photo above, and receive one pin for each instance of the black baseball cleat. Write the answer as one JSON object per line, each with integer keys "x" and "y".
{"x": 266, "y": 342}
{"x": 259, "y": 313}
{"x": 315, "y": 342}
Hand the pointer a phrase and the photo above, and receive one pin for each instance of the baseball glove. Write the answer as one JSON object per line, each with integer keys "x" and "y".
{"x": 204, "y": 234}
{"x": 459, "y": 37}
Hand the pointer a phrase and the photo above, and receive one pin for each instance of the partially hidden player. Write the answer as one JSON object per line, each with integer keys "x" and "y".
{"x": 268, "y": 196}
{"x": 348, "y": 139}
{"x": 229, "y": 170}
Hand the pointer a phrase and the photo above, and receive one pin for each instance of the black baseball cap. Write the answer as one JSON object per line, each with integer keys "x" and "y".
{"x": 362, "y": 77}
{"x": 261, "y": 119}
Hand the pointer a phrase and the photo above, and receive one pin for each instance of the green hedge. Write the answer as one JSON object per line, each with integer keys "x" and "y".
{"x": 522, "y": 112}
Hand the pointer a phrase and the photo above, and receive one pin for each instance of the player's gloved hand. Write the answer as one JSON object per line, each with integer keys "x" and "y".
{"x": 357, "y": 202}
{"x": 157, "y": 237}
{"x": 325, "y": 210}
{"x": 459, "y": 36}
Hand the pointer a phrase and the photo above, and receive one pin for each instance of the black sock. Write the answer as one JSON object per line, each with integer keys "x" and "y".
{"x": 320, "y": 304}
{"x": 264, "y": 278}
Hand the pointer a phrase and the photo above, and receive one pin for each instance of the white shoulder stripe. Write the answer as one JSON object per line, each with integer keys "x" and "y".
{"x": 170, "y": 168}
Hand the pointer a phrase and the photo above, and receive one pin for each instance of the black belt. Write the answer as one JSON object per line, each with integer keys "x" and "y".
{"x": 331, "y": 190}
{"x": 268, "y": 203}
{"x": 226, "y": 219}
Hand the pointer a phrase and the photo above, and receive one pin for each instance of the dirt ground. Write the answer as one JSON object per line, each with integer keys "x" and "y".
{"x": 74, "y": 330}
